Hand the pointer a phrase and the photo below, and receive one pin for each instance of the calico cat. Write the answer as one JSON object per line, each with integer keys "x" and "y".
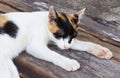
{"x": 32, "y": 31}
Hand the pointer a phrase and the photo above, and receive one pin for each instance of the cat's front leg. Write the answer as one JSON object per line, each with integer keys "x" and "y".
{"x": 43, "y": 52}
{"x": 95, "y": 49}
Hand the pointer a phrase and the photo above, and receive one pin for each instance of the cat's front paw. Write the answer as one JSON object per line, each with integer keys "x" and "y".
{"x": 70, "y": 65}
{"x": 100, "y": 52}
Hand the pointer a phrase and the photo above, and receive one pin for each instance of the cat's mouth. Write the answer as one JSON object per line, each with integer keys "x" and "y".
{"x": 64, "y": 47}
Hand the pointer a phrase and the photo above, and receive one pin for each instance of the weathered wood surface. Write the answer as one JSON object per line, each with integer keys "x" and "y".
{"x": 91, "y": 67}
{"x": 92, "y": 29}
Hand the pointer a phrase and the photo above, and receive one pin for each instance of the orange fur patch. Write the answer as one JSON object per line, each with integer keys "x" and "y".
{"x": 53, "y": 28}
{"x": 3, "y": 20}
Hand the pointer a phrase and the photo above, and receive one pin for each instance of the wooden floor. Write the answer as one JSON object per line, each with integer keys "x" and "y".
{"x": 91, "y": 29}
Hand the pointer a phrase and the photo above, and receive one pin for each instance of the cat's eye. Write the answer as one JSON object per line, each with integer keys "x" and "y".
{"x": 59, "y": 34}
{"x": 73, "y": 36}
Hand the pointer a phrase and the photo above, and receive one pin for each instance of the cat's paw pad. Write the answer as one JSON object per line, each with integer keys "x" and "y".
{"x": 105, "y": 53}
{"x": 71, "y": 65}
{"x": 101, "y": 52}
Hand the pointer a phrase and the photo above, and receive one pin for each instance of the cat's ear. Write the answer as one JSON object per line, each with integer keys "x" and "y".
{"x": 81, "y": 13}
{"x": 52, "y": 14}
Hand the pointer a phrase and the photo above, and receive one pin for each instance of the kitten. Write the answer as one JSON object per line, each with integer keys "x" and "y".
{"x": 32, "y": 31}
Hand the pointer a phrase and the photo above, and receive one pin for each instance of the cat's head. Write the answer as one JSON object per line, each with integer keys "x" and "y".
{"x": 63, "y": 27}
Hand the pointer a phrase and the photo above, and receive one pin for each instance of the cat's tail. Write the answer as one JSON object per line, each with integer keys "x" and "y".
{"x": 7, "y": 68}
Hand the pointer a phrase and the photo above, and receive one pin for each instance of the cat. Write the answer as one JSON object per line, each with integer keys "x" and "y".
{"x": 32, "y": 31}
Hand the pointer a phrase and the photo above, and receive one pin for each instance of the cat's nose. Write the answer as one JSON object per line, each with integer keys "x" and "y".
{"x": 66, "y": 47}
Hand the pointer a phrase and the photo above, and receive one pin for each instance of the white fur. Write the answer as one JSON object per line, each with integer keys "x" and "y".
{"x": 33, "y": 35}
{"x": 64, "y": 43}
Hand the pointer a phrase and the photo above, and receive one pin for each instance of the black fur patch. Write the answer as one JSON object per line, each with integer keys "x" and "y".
{"x": 66, "y": 28}
{"x": 10, "y": 28}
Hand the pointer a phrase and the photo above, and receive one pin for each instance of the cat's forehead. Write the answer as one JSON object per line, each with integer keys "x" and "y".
{"x": 66, "y": 16}
{"x": 65, "y": 20}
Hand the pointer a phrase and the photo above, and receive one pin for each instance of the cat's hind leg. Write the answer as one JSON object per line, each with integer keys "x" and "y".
{"x": 12, "y": 68}
{"x": 7, "y": 68}
{"x": 4, "y": 70}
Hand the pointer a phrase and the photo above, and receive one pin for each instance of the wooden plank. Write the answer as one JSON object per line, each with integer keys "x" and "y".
{"x": 13, "y": 6}
{"x": 91, "y": 67}
{"x": 27, "y": 64}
